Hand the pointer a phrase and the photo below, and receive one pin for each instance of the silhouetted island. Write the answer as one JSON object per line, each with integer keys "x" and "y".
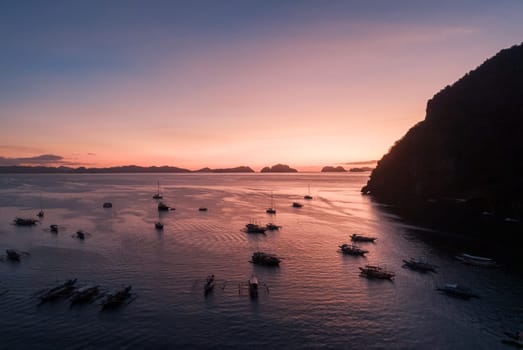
{"x": 119, "y": 169}
{"x": 240, "y": 169}
{"x": 332, "y": 169}
{"x": 463, "y": 164}
{"x": 279, "y": 168}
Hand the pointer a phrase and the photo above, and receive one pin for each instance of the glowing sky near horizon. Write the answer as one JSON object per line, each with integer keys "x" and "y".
{"x": 228, "y": 83}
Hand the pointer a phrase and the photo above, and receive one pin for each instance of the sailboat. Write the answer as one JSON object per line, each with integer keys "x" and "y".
{"x": 41, "y": 212}
{"x": 157, "y": 195}
{"x": 308, "y": 196}
{"x": 271, "y": 210}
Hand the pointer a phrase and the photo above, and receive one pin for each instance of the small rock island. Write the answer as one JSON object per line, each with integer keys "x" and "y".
{"x": 332, "y": 169}
{"x": 279, "y": 168}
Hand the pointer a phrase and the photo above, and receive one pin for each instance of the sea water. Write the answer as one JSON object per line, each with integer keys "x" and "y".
{"x": 316, "y": 297}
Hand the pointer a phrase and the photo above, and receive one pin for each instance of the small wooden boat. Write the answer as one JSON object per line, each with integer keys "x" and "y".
{"x": 352, "y": 249}
{"x": 476, "y": 260}
{"x": 360, "y": 238}
{"x": 272, "y": 227}
{"x": 12, "y": 255}
{"x": 419, "y": 265}
{"x": 84, "y": 294}
{"x": 372, "y": 271}
{"x": 80, "y": 234}
{"x": 53, "y": 228}
{"x": 297, "y": 205}
{"x": 117, "y": 299}
{"x": 261, "y": 258}
{"x": 254, "y": 228}
{"x": 253, "y": 286}
{"x": 62, "y": 290}
{"x": 455, "y": 290}
{"x": 202, "y": 209}
{"x": 108, "y": 205}
{"x": 40, "y": 214}
{"x": 158, "y": 225}
{"x": 209, "y": 285}
{"x": 25, "y": 221}
{"x": 163, "y": 207}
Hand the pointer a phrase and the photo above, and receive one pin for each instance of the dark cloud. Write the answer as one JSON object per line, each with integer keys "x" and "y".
{"x": 44, "y": 159}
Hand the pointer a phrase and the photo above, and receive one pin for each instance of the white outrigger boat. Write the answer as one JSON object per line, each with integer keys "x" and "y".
{"x": 476, "y": 260}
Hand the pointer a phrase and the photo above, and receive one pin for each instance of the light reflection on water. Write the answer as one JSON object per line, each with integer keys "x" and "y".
{"x": 316, "y": 298}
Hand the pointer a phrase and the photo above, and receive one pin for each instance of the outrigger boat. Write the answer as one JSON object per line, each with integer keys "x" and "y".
{"x": 24, "y": 221}
{"x": 209, "y": 285}
{"x": 360, "y": 238}
{"x": 419, "y": 265}
{"x": 372, "y": 271}
{"x": 476, "y": 260}
{"x": 455, "y": 290}
{"x": 272, "y": 227}
{"x": 352, "y": 249}
{"x": 62, "y": 290}
{"x": 254, "y": 228}
{"x": 14, "y": 255}
{"x": 117, "y": 299}
{"x": 85, "y": 294}
{"x": 253, "y": 286}
{"x": 261, "y": 258}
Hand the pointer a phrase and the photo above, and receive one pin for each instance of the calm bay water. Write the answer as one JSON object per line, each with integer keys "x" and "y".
{"x": 316, "y": 298}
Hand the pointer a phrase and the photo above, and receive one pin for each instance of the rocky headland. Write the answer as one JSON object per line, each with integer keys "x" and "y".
{"x": 462, "y": 166}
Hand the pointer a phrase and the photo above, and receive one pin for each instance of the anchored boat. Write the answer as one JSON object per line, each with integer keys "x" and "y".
{"x": 352, "y": 249}
{"x": 455, "y": 290}
{"x": 360, "y": 238}
{"x": 372, "y": 271}
{"x": 476, "y": 260}
{"x": 261, "y": 258}
{"x": 419, "y": 265}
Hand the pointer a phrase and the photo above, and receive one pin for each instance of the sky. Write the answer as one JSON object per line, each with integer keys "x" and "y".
{"x": 226, "y": 83}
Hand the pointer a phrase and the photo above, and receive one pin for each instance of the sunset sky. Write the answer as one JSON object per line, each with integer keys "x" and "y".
{"x": 228, "y": 83}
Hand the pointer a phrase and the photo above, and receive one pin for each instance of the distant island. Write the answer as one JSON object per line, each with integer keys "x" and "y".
{"x": 331, "y": 169}
{"x": 279, "y": 168}
{"x": 118, "y": 169}
{"x": 463, "y": 164}
{"x": 240, "y": 169}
